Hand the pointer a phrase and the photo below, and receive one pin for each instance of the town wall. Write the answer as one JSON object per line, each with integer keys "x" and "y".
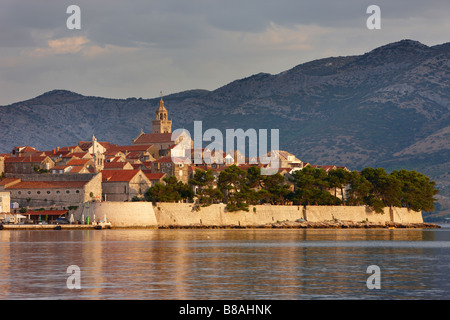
{"x": 5, "y": 202}
{"x": 93, "y": 189}
{"x": 120, "y": 214}
{"x": 182, "y": 214}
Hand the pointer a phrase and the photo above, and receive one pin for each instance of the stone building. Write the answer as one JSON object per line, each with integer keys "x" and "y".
{"x": 154, "y": 177}
{"x": 28, "y": 164}
{"x": 48, "y": 190}
{"x": 142, "y": 152}
{"x": 117, "y": 166}
{"x": 172, "y": 167}
{"x": 2, "y": 164}
{"x": 23, "y": 151}
{"x": 283, "y": 158}
{"x": 5, "y": 202}
{"x": 162, "y": 124}
{"x": 162, "y": 136}
{"x": 124, "y": 185}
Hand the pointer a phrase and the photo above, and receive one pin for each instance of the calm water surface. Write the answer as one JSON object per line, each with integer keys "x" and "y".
{"x": 225, "y": 264}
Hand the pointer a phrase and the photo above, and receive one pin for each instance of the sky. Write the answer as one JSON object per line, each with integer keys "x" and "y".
{"x": 140, "y": 48}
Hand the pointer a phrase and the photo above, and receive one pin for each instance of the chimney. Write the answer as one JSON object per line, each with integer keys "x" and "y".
{"x": 57, "y": 148}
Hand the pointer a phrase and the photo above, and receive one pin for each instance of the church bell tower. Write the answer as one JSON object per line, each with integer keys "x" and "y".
{"x": 161, "y": 124}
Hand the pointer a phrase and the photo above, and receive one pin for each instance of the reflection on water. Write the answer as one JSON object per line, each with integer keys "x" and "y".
{"x": 225, "y": 264}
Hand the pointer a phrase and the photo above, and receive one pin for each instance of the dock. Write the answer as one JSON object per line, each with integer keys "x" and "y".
{"x": 51, "y": 227}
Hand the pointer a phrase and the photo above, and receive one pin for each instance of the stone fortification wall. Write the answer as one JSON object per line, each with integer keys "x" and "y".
{"x": 120, "y": 214}
{"x": 404, "y": 215}
{"x": 182, "y": 214}
{"x": 5, "y": 201}
{"x": 143, "y": 214}
{"x": 361, "y": 213}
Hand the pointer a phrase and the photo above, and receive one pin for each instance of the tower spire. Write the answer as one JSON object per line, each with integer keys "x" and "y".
{"x": 161, "y": 124}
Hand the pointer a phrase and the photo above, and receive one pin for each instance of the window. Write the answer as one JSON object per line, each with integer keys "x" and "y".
{"x": 67, "y": 191}
{"x": 20, "y": 192}
{"x": 58, "y": 192}
{"x": 38, "y": 192}
{"x": 48, "y": 192}
{"x": 78, "y": 191}
{"x": 29, "y": 192}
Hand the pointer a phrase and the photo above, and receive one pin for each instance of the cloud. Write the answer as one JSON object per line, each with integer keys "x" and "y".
{"x": 141, "y": 47}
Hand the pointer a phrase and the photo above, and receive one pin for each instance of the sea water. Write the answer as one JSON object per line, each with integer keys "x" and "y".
{"x": 282, "y": 264}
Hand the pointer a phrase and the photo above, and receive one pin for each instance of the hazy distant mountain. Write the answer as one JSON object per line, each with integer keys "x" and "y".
{"x": 388, "y": 107}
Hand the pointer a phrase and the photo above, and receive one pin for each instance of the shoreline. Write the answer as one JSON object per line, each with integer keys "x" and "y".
{"x": 277, "y": 225}
{"x": 313, "y": 225}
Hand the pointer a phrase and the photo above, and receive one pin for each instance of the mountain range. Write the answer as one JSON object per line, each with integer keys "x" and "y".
{"x": 387, "y": 108}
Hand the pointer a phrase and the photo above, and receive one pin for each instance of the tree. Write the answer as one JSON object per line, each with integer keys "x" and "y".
{"x": 312, "y": 187}
{"x": 338, "y": 179}
{"x": 384, "y": 187}
{"x": 417, "y": 191}
{"x": 234, "y": 185}
{"x": 276, "y": 191}
{"x": 359, "y": 189}
{"x": 206, "y": 192}
{"x": 172, "y": 191}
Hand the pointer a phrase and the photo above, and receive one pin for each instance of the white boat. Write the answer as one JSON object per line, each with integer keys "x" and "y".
{"x": 103, "y": 224}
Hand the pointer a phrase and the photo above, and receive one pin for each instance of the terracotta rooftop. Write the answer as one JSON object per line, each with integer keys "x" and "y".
{"x": 119, "y": 175}
{"x": 24, "y": 149}
{"x": 154, "y": 176}
{"x": 48, "y": 185}
{"x": 46, "y": 212}
{"x": 115, "y": 164}
{"x": 78, "y": 162}
{"x": 25, "y": 159}
{"x": 85, "y": 145}
{"x": 6, "y": 182}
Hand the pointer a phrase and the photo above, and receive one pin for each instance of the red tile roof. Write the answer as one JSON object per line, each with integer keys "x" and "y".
{"x": 133, "y": 155}
{"x": 115, "y": 164}
{"x": 8, "y": 181}
{"x": 25, "y": 159}
{"x": 118, "y": 175}
{"x": 46, "y": 213}
{"x": 78, "y": 162}
{"x": 85, "y": 145}
{"x": 61, "y": 167}
{"x": 81, "y": 155}
{"x": 48, "y": 185}
{"x": 154, "y": 176}
{"x": 24, "y": 149}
